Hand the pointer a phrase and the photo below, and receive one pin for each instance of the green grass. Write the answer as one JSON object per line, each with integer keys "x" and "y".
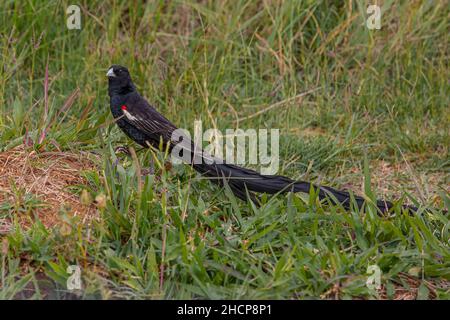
{"x": 382, "y": 95}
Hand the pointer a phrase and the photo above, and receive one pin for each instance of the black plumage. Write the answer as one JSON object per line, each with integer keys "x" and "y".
{"x": 146, "y": 126}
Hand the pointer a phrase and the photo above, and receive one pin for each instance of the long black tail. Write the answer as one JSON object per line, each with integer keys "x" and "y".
{"x": 242, "y": 179}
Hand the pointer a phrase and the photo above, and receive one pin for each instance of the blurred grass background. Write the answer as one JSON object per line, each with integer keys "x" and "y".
{"x": 383, "y": 94}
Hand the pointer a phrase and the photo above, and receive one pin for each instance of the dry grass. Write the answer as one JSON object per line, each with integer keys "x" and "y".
{"x": 407, "y": 288}
{"x": 47, "y": 178}
{"x": 424, "y": 185}
{"x": 391, "y": 180}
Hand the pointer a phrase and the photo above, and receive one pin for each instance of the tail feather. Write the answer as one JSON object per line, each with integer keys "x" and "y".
{"x": 242, "y": 179}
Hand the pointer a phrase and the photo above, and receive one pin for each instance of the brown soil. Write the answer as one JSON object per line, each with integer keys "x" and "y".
{"x": 46, "y": 178}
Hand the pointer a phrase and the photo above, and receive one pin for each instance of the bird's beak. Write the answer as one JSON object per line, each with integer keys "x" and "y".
{"x": 110, "y": 73}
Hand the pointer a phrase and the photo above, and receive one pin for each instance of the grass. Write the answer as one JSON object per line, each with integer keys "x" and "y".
{"x": 382, "y": 96}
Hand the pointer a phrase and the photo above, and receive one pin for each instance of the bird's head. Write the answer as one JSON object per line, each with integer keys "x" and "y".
{"x": 119, "y": 79}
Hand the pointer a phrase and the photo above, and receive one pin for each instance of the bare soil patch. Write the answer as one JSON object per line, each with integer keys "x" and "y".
{"x": 42, "y": 185}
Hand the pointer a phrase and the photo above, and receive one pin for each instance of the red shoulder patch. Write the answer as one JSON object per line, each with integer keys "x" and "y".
{"x": 124, "y": 107}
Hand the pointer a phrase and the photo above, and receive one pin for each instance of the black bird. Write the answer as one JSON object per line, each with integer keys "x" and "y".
{"x": 146, "y": 126}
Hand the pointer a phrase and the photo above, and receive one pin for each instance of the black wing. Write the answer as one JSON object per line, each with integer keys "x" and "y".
{"x": 140, "y": 114}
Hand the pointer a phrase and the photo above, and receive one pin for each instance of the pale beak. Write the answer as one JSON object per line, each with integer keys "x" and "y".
{"x": 110, "y": 73}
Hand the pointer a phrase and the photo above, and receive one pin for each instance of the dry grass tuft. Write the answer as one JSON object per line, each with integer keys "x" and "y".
{"x": 38, "y": 185}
